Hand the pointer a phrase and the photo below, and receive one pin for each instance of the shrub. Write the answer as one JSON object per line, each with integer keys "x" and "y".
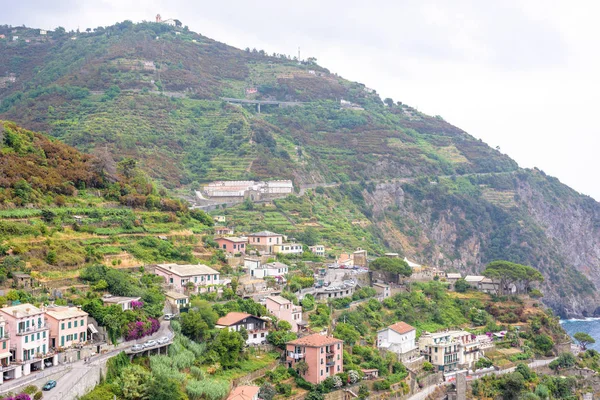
{"x": 38, "y": 395}
{"x": 31, "y": 389}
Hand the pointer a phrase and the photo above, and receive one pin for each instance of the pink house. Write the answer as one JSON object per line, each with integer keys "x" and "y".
{"x": 265, "y": 240}
{"x": 285, "y": 310}
{"x": 179, "y": 277}
{"x": 323, "y": 355}
{"x": 68, "y": 326}
{"x": 232, "y": 244}
{"x": 29, "y": 332}
{"x": 9, "y": 371}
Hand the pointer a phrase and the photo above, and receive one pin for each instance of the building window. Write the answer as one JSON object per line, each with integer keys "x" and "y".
{"x": 75, "y": 336}
{"x": 44, "y": 334}
{"x": 69, "y": 325}
{"x": 170, "y": 280}
{"x": 338, "y": 368}
{"x": 26, "y": 339}
{"x": 321, "y": 372}
{"x": 32, "y": 337}
{"x": 254, "y": 336}
{"x": 44, "y": 348}
{"x": 38, "y": 336}
{"x": 3, "y": 345}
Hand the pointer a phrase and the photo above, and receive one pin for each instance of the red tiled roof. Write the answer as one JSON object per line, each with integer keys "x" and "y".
{"x": 401, "y": 327}
{"x": 232, "y": 318}
{"x": 243, "y": 393}
{"x": 315, "y": 340}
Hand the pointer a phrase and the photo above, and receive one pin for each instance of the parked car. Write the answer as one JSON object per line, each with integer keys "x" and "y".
{"x": 49, "y": 385}
{"x": 47, "y": 363}
{"x": 137, "y": 347}
{"x": 168, "y": 317}
{"x": 150, "y": 343}
{"x": 163, "y": 340}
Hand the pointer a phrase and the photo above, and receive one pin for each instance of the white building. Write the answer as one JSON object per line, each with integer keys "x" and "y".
{"x": 178, "y": 277}
{"x": 399, "y": 338}
{"x": 450, "y": 350}
{"x": 270, "y": 269}
{"x": 288, "y": 248}
{"x": 382, "y": 289}
{"x": 318, "y": 249}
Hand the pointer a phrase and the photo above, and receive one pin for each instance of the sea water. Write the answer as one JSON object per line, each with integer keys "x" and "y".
{"x": 591, "y": 326}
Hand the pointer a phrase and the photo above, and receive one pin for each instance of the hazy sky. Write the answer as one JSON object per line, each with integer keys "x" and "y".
{"x": 522, "y": 75}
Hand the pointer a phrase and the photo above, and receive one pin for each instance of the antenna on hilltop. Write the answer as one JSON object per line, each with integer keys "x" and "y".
{"x": 299, "y": 55}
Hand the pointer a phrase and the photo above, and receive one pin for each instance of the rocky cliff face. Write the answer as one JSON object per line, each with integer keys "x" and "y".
{"x": 528, "y": 218}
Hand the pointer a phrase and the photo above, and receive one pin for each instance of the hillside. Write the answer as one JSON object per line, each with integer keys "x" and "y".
{"x": 429, "y": 190}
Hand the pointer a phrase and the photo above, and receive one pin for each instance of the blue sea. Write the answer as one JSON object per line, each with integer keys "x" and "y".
{"x": 591, "y": 326}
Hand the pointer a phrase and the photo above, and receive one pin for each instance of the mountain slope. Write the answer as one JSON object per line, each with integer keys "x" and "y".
{"x": 155, "y": 93}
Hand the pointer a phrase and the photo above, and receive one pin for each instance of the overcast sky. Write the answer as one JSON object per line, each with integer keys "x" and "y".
{"x": 522, "y": 75}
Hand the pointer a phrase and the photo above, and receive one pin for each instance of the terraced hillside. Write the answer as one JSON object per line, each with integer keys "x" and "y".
{"x": 417, "y": 184}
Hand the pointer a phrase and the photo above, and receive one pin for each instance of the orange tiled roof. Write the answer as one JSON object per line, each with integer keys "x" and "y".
{"x": 315, "y": 340}
{"x": 232, "y": 318}
{"x": 401, "y": 327}
{"x": 244, "y": 393}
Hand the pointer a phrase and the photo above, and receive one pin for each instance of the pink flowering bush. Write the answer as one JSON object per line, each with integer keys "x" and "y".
{"x": 20, "y": 396}
{"x": 136, "y": 305}
{"x": 139, "y": 329}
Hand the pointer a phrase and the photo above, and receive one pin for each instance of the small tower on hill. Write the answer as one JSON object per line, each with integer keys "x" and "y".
{"x": 158, "y": 18}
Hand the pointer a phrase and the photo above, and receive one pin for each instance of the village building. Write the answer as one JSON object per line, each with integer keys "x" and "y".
{"x": 251, "y": 263}
{"x": 29, "y": 332}
{"x": 68, "y": 326}
{"x": 177, "y": 300}
{"x": 231, "y": 244}
{"x": 370, "y": 373}
{"x": 220, "y": 218}
{"x": 382, "y": 289}
{"x": 22, "y": 281}
{"x": 318, "y": 249}
{"x": 255, "y": 327}
{"x": 9, "y": 371}
{"x": 474, "y": 280}
{"x": 399, "y": 338}
{"x": 452, "y": 277}
{"x": 392, "y": 255}
{"x": 288, "y": 248}
{"x": 334, "y": 292}
{"x": 126, "y": 303}
{"x": 244, "y": 392}
{"x": 223, "y": 230}
{"x": 359, "y": 258}
{"x": 273, "y": 269}
{"x": 345, "y": 260}
{"x": 323, "y": 355}
{"x": 190, "y": 277}
{"x": 285, "y": 310}
{"x": 238, "y": 191}
{"x": 450, "y": 350}
{"x": 265, "y": 241}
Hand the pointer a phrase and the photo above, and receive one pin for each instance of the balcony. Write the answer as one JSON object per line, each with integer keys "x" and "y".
{"x": 330, "y": 363}
{"x": 4, "y": 337}
{"x": 295, "y": 356}
{"x": 32, "y": 329}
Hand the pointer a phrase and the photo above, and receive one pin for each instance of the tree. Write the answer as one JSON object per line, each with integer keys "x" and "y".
{"x": 267, "y": 391}
{"x": 314, "y": 396}
{"x": 393, "y": 265}
{"x": 584, "y": 339}
{"x": 284, "y": 326}
{"x": 164, "y": 389}
{"x": 564, "y": 360}
{"x": 389, "y": 102}
{"x": 347, "y": 333}
{"x": 461, "y": 285}
{"x": 194, "y": 326}
{"x": 133, "y": 382}
{"x": 228, "y": 345}
{"x": 301, "y": 366}
{"x": 507, "y": 273}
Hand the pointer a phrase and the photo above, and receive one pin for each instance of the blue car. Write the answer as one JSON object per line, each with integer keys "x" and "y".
{"x": 49, "y": 385}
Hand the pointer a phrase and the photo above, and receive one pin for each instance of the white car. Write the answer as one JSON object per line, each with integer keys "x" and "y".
{"x": 163, "y": 340}
{"x": 137, "y": 347}
{"x": 150, "y": 343}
